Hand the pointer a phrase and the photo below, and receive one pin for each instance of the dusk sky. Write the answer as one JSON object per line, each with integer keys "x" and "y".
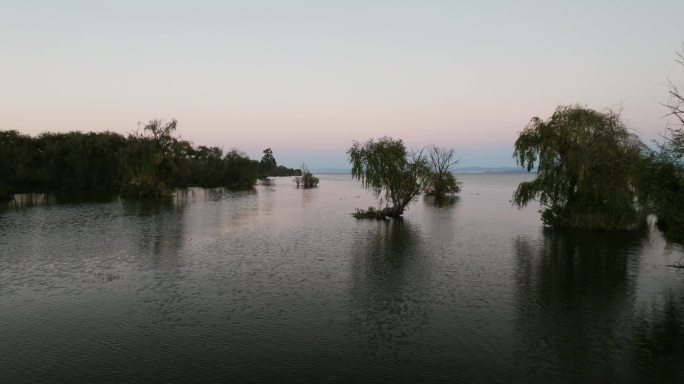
{"x": 306, "y": 78}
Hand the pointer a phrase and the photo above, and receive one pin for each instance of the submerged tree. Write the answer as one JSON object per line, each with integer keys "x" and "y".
{"x": 393, "y": 175}
{"x": 442, "y": 182}
{"x": 307, "y": 179}
{"x": 588, "y": 168}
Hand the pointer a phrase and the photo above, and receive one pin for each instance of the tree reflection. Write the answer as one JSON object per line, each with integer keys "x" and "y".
{"x": 31, "y": 200}
{"x": 575, "y": 295}
{"x": 157, "y": 226}
{"x": 387, "y": 314}
{"x": 659, "y": 335}
{"x": 443, "y": 202}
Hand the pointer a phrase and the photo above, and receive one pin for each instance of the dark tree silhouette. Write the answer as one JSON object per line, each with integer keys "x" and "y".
{"x": 386, "y": 168}
{"x": 588, "y": 170}
{"x": 442, "y": 182}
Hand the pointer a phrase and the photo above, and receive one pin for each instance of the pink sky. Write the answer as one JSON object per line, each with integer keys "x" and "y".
{"x": 308, "y": 78}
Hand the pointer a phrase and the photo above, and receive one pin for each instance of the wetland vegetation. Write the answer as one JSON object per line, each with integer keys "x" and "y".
{"x": 150, "y": 162}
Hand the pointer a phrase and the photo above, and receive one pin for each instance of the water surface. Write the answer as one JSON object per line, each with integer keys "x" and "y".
{"x": 281, "y": 284}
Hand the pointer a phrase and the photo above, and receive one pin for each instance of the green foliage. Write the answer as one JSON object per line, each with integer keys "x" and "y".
{"x": 588, "y": 170}
{"x": 269, "y": 167}
{"x": 394, "y": 177}
{"x": 148, "y": 163}
{"x": 15, "y": 162}
{"x": 370, "y": 213}
{"x": 442, "y": 182}
{"x": 663, "y": 181}
{"x": 239, "y": 171}
{"x": 282, "y": 170}
{"x": 307, "y": 179}
{"x": 268, "y": 163}
{"x": 206, "y": 164}
{"x": 59, "y": 162}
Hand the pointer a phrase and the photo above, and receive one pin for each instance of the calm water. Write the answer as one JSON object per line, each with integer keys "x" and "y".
{"x": 283, "y": 285}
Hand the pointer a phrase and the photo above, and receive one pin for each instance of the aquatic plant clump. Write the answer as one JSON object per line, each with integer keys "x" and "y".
{"x": 370, "y": 213}
{"x": 307, "y": 179}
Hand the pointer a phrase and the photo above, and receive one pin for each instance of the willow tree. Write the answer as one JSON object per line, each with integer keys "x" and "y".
{"x": 588, "y": 169}
{"x": 393, "y": 175}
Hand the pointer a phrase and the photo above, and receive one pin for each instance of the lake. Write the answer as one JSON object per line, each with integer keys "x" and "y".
{"x": 281, "y": 284}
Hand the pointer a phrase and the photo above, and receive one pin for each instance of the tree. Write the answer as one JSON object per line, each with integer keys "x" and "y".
{"x": 149, "y": 162}
{"x": 442, "y": 182}
{"x": 161, "y": 134}
{"x": 307, "y": 179}
{"x": 664, "y": 179}
{"x": 240, "y": 171}
{"x": 14, "y": 161}
{"x": 394, "y": 176}
{"x": 588, "y": 169}
{"x": 676, "y": 110}
{"x": 268, "y": 162}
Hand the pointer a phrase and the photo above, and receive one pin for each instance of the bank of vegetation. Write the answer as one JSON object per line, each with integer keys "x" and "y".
{"x": 148, "y": 163}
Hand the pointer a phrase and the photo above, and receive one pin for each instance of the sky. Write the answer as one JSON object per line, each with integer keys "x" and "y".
{"x": 307, "y": 78}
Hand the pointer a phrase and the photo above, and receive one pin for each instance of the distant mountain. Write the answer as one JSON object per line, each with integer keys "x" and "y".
{"x": 332, "y": 170}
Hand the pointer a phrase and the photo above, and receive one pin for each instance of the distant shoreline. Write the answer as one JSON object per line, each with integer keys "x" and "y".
{"x": 464, "y": 170}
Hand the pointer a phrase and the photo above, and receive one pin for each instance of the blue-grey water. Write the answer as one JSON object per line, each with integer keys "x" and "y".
{"x": 281, "y": 284}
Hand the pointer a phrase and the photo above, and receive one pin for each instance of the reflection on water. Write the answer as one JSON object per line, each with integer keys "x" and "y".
{"x": 444, "y": 202}
{"x": 659, "y": 342}
{"x": 211, "y": 194}
{"x": 574, "y": 265}
{"x": 576, "y": 293}
{"x": 31, "y": 200}
{"x": 280, "y": 284}
{"x": 156, "y": 226}
{"x": 386, "y": 314}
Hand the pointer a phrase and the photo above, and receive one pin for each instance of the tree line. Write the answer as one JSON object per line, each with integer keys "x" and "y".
{"x": 148, "y": 163}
